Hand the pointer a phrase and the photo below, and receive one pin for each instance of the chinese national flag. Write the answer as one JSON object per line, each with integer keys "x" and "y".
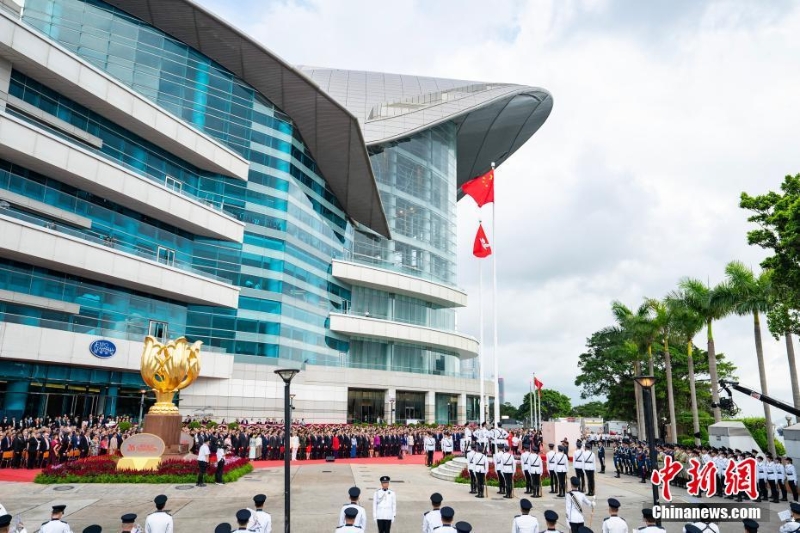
{"x": 481, "y": 246}
{"x": 538, "y": 384}
{"x": 481, "y": 188}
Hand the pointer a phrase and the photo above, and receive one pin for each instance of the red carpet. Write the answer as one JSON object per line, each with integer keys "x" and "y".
{"x": 23, "y": 475}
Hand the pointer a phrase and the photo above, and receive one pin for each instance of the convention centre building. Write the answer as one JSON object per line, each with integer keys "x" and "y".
{"x": 161, "y": 173}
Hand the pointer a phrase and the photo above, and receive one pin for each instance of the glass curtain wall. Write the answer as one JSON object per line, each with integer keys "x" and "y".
{"x": 446, "y": 408}
{"x": 365, "y": 405}
{"x": 410, "y": 406}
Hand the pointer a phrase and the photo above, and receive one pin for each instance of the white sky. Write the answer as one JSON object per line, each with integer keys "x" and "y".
{"x": 665, "y": 111}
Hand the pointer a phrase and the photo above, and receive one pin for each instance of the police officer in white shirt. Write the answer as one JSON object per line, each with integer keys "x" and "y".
{"x": 260, "y": 521}
{"x": 433, "y": 518}
{"x": 384, "y": 506}
{"x": 772, "y": 476}
{"x": 525, "y": 523}
{"x": 56, "y": 525}
{"x": 551, "y": 469}
{"x": 509, "y": 466}
{"x": 159, "y": 521}
{"x": 562, "y": 467}
{"x": 780, "y": 474}
{"x": 447, "y": 521}
{"x": 202, "y": 463}
{"x": 577, "y": 464}
{"x": 793, "y": 525}
{"x": 576, "y": 505}
{"x": 361, "y": 518}
{"x": 614, "y": 523}
{"x": 498, "y": 468}
{"x": 649, "y": 523}
{"x": 466, "y": 440}
{"x": 761, "y": 478}
{"x": 350, "y": 514}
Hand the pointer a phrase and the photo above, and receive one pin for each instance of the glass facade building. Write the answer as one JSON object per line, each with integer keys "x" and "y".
{"x": 285, "y": 284}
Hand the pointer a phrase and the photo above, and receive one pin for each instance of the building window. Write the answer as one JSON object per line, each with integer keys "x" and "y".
{"x": 158, "y": 330}
{"x": 166, "y": 256}
{"x": 173, "y": 184}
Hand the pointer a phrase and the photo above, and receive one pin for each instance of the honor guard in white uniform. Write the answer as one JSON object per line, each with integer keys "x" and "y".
{"x": 577, "y": 464}
{"x": 260, "y": 521}
{"x": 384, "y": 506}
{"x": 535, "y": 468}
{"x": 576, "y": 505}
{"x": 481, "y": 467}
{"x": 447, "y": 444}
{"x": 56, "y": 525}
{"x": 523, "y": 463}
{"x": 649, "y": 523}
{"x": 614, "y": 523}
{"x": 498, "y": 468}
{"x": 430, "y": 446}
{"x": 772, "y": 475}
{"x": 433, "y": 518}
{"x": 551, "y": 469}
{"x": 350, "y": 514}
{"x": 361, "y": 518}
{"x": 793, "y": 525}
{"x": 509, "y": 465}
{"x": 550, "y": 518}
{"x": 223, "y": 528}
{"x": 160, "y": 521}
{"x": 589, "y": 468}
{"x": 473, "y": 480}
{"x": 525, "y": 523}
{"x": 447, "y": 521}
{"x": 466, "y": 440}
{"x": 463, "y": 527}
{"x": 791, "y": 476}
{"x": 562, "y": 466}
{"x": 761, "y": 478}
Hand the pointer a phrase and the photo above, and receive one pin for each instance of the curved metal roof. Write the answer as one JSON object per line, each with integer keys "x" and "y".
{"x": 331, "y": 132}
{"x": 493, "y": 119}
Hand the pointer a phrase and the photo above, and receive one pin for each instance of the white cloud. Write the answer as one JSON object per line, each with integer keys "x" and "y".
{"x": 663, "y": 115}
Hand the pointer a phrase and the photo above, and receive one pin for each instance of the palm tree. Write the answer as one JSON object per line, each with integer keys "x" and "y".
{"x": 748, "y": 294}
{"x": 640, "y": 331}
{"x": 664, "y": 321}
{"x": 686, "y": 324}
{"x": 704, "y": 301}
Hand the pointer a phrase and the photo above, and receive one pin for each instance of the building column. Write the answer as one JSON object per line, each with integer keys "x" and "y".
{"x": 5, "y": 82}
{"x": 462, "y": 408}
{"x": 430, "y": 407}
{"x": 16, "y": 399}
{"x": 390, "y": 403}
{"x": 110, "y": 408}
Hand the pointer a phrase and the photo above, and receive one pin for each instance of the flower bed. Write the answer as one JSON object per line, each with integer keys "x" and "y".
{"x": 103, "y": 469}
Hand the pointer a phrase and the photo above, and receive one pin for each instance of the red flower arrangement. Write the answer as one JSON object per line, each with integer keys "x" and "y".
{"x": 103, "y": 469}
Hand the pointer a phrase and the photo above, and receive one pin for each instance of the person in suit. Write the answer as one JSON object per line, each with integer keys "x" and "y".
{"x": 33, "y": 449}
{"x": 17, "y": 446}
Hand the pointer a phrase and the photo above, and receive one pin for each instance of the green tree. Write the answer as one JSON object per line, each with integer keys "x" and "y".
{"x": 748, "y": 294}
{"x": 506, "y": 409}
{"x": 664, "y": 322}
{"x": 781, "y": 320}
{"x": 705, "y": 301}
{"x": 687, "y": 324}
{"x": 553, "y": 405}
{"x": 595, "y": 409}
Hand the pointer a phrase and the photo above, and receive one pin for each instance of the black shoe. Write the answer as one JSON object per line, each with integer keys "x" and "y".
{"x": 479, "y": 495}
{"x": 473, "y": 492}
{"x": 617, "y": 476}
{"x": 784, "y": 500}
{"x": 201, "y": 485}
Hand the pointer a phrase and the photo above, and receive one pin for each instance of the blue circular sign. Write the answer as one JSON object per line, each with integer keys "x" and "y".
{"x": 103, "y": 349}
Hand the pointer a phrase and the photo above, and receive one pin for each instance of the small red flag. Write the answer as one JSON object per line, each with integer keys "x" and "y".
{"x": 481, "y": 188}
{"x": 538, "y": 384}
{"x": 481, "y": 246}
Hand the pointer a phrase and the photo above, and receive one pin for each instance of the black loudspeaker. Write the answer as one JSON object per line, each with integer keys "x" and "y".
{"x": 330, "y": 458}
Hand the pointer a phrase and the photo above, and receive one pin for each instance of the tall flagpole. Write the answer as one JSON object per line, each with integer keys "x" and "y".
{"x": 482, "y": 416}
{"x": 494, "y": 306}
{"x": 539, "y": 404}
{"x": 533, "y": 401}
{"x": 530, "y": 404}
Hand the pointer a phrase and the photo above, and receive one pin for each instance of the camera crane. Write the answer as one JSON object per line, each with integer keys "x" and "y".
{"x": 727, "y": 403}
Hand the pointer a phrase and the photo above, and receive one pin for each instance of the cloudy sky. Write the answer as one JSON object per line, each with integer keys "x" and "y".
{"x": 665, "y": 111}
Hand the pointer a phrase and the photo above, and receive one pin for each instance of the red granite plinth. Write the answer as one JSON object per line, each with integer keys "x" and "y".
{"x": 168, "y": 427}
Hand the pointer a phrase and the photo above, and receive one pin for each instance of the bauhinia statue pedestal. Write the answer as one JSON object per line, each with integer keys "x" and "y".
{"x": 168, "y": 368}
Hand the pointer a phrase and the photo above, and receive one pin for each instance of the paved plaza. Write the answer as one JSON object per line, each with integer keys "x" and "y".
{"x": 318, "y": 491}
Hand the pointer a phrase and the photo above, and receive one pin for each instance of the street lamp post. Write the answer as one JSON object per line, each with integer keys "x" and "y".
{"x": 141, "y": 408}
{"x": 287, "y": 374}
{"x": 646, "y": 383}
{"x": 391, "y": 410}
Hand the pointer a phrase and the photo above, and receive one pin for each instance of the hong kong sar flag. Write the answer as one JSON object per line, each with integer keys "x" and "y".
{"x": 481, "y": 246}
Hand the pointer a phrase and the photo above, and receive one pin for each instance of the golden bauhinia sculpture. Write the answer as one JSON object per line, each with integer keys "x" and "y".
{"x": 168, "y": 368}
